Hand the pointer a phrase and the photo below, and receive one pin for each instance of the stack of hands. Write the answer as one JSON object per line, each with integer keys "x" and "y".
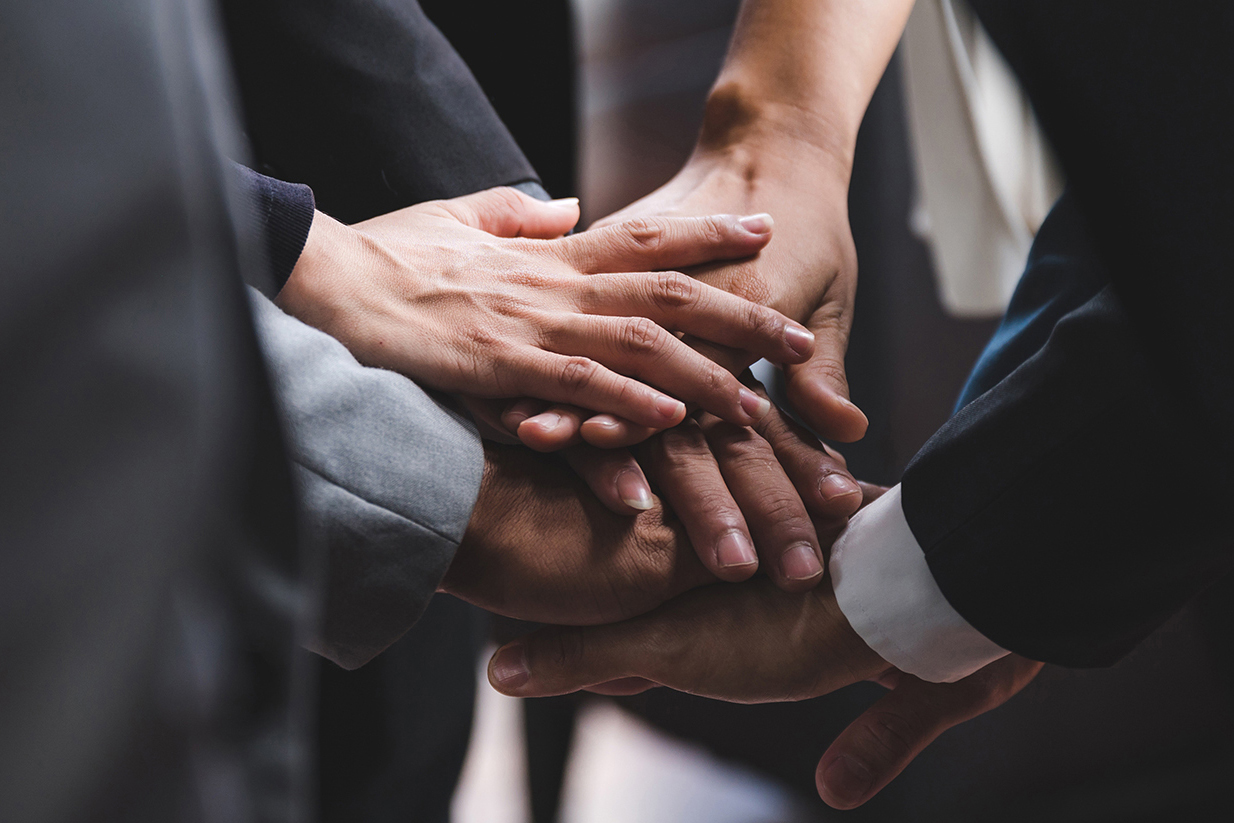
{"x": 683, "y": 540}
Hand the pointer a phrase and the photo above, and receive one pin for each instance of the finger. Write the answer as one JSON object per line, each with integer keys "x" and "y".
{"x": 553, "y": 429}
{"x": 683, "y": 469}
{"x": 649, "y": 243}
{"x": 820, "y": 476}
{"x": 783, "y": 534}
{"x": 520, "y": 410}
{"x": 681, "y": 303}
{"x": 487, "y": 416}
{"x": 507, "y": 212}
{"x": 749, "y": 642}
{"x": 581, "y": 381}
{"x": 637, "y": 347}
{"x": 818, "y": 388}
{"x": 624, "y": 687}
{"x": 880, "y": 743}
{"x": 614, "y": 476}
{"x": 604, "y": 431}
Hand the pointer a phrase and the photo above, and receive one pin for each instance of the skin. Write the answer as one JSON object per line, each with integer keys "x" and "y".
{"x": 744, "y": 642}
{"x": 752, "y": 643}
{"x": 541, "y": 547}
{"x": 778, "y": 135}
{"x": 481, "y": 295}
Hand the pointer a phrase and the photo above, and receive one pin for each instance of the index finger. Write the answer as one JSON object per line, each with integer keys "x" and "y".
{"x": 650, "y": 243}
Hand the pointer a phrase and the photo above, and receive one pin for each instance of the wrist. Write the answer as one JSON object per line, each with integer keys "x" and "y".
{"x": 312, "y": 291}
{"x": 748, "y": 127}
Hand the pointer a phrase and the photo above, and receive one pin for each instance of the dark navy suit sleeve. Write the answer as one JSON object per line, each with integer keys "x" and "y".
{"x": 281, "y": 214}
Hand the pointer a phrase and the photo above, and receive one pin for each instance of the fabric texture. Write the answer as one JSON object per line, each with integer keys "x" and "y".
{"x": 280, "y": 213}
{"x": 885, "y": 589}
{"x": 388, "y": 475}
{"x": 1074, "y": 503}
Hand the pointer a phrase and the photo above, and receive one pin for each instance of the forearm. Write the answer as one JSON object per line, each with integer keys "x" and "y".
{"x": 801, "y": 73}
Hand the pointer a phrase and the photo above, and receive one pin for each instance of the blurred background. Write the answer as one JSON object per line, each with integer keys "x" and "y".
{"x": 605, "y": 96}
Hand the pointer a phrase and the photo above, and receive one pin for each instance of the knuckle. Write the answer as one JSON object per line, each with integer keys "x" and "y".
{"x": 713, "y": 231}
{"x": 565, "y": 649}
{"x": 641, "y": 336}
{"x": 577, "y": 373}
{"x": 747, "y": 283}
{"x": 646, "y": 233}
{"x": 893, "y": 733}
{"x": 673, "y": 290}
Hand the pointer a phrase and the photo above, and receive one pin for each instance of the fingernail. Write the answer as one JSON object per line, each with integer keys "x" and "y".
{"x": 548, "y": 422}
{"x": 800, "y": 562}
{"x": 757, "y": 223}
{"x": 835, "y": 486}
{"x": 564, "y": 202}
{"x": 633, "y": 491}
{"x": 799, "y": 340}
{"x": 603, "y": 421}
{"x": 509, "y": 666}
{"x": 734, "y": 549}
{"x": 847, "y": 780}
{"x": 668, "y": 407}
{"x": 754, "y": 405}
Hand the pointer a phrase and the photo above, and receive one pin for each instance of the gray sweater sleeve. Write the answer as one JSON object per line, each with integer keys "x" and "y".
{"x": 388, "y": 477}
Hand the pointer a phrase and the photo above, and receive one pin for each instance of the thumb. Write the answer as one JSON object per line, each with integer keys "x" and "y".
{"x": 818, "y": 388}
{"x": 507, "y": 212}
{"x": 879, "y": 744}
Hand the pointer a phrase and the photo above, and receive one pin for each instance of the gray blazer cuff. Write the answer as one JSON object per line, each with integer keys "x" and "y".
{"x": 388, "y": 477}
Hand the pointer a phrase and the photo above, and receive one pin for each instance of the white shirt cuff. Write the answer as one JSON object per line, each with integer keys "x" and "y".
{"x": 885, "y": 589}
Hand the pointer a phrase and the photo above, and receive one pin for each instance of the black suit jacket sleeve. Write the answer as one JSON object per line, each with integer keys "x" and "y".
{"x": 1071, "y": 509}
{"x": 365, "y": 101}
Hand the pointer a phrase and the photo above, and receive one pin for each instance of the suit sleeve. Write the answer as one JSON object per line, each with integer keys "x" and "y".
{"x": 1071, "y": 509}
{"x": 388, "y": 478}
{"x": 1082, "y": 499}
{"x": 365, "y": 101}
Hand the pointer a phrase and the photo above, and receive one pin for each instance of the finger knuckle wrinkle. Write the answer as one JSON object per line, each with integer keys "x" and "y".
{"x": 893, "y": 732}
{"x": 646, "y": 233}
{"x": 641, "y": 336}
{"x": 577, "y": 373}
{"x": 565, "y": 651}
{"x": 714, "y": 232}
{"x": 674, "y": 290}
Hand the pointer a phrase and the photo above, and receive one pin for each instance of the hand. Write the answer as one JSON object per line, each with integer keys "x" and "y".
{"x": 540, "y": 547}
{"x": 809, "y": 273}
{"x": 751, "y": 643}
{"x": 771, "y": 492}
{"x": 466, "y": 296}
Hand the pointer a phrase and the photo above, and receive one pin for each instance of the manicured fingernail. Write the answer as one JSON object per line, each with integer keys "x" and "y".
{"x": 799, "y": 339}
{"x": 509, "y": 666}
{"x": 564, "y": 202}
{"x": 754, "y": 405}
{"x": 668, "y": 407}
{"x": 734, "y": 549}
{"x": 848, "y": 780}
{"x": 800, "y": 562}
{"x": 757, "y": 223}
{"x": 835, "y": 486}
{"x": 633, "y": 490}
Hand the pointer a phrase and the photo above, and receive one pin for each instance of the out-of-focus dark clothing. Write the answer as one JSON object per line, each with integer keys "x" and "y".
{"x": 1032, "y": 504}
{"x": 366, "y": 102}
{"x": 151, "y": 585}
